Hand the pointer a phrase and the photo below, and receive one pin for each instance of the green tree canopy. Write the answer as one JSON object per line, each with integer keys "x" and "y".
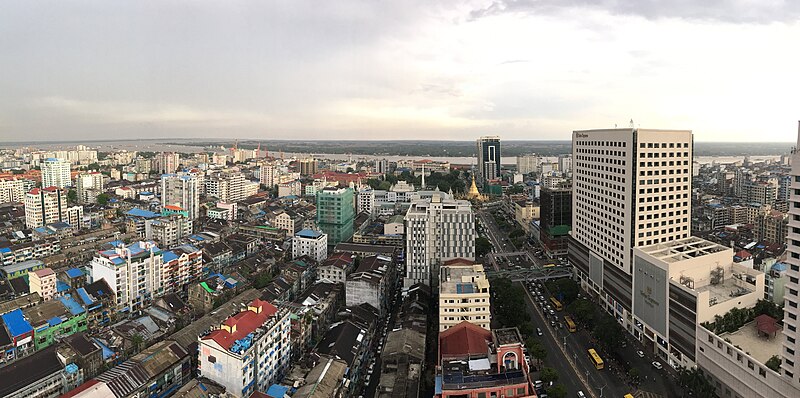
{"x": 103, "y": 199}
{"x": 482, "y": 246}
{"x": 548, "y": 374}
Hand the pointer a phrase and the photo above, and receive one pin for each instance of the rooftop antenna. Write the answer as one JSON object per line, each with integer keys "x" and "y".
{"x": 632, "y": 126}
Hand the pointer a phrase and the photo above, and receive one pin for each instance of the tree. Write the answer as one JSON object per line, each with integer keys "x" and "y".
{"x": 582, "y": 310}
{"x": 350, "y": 170}
{"x": 93, "y": 166}
{"x": 766, "y": 307}
{"x": 102, "y": 199}
{"x": 695, "y": 381}
{"x": 516, "y": 189}
{"x": 609, "y": 333}
{"x": 72, "y": 196}
{"x": 565, "y": 289}
{"x": 774, "y": 363}
{"x": 557, "y": 391}
{"x": 482, "y": 246}
{"x": 262, "y": 280}
{"x": 547, "y": 375}
{"x": 536, "y": 349}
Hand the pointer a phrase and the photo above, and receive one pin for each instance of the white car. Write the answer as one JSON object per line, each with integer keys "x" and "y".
{"x": 658, "y": 365}
{"x": 640, "y": 353}
{"x": 539, "y": 331}
{"x": 581, "y": 394}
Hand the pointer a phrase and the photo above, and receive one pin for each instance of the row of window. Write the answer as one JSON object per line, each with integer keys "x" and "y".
{"x": 618, "y": 144}
{"x": 664, "y": 145}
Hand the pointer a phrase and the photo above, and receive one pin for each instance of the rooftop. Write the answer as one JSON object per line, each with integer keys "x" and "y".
{"x": 308, "y": 233}
{"x": 29, "y": 369}
{"x": 16, "y": 323}
{"x": 757, "y": 346}
{"x": 235, "y": 332}
{"x": 468, "y": 279}
{"x": 683, "y": 249}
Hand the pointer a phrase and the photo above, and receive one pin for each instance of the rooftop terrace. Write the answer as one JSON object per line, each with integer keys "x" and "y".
{"x": 683, "y": 249}
{"x": 759, "y": 347}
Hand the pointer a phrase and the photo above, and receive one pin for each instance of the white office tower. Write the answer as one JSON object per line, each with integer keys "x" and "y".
{"x": 631, "y": 187}
{"x": 365, "y": 202}
{"x": 182, "y": 190}
{"x": 437, "y": 229}
{"x": 89, "y": 186}
{"x": 55, "y": 173}
{"x": 527, "y": 164}
{"x": 791, "y": 352}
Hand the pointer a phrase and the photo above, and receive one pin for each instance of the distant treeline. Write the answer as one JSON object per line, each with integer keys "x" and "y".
{"x": 468, "y": 148}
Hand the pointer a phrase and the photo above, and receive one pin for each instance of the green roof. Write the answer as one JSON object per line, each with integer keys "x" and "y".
{"x": 266, "y": 227}
{"x": 559, "y": 230}
{"x": 205, "y": 286}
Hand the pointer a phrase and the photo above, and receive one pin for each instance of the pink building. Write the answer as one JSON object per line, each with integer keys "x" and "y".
{"x": 475, "y": 362}
{"x": 43, "y": 282}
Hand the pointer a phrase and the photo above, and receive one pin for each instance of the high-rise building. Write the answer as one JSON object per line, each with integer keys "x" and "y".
{"x": 268, "y": 174}
{"x": 366, "y": 201}
{"x": 741, "y": 177}
{"x": 89, "y": 186}
{"x": 56, "y": 173}
{"x": 168, "y": 230}
{"x": 791, "y": 352}
{"x": 12, "y": 190}
{"x": 167, "y": 162}
{"x": 381, "y": 166}
{"x": 488, "y": 159}
{"x": 783, "y": 188}
{"x": 437, "y": 230}
{"x": 308, "y": 166}
{"x": 249, "y": 351}
{"x": 45, "y": 206}
{"x": 226, "y": 186}
{"x": 631, "y": 188}
{"x": 335, "y": 213}
{"x": 527, "y": 164}
{"x": 463, "y": 294}
{"x": 555, "y": 220}
{"x": 182, "y": 190}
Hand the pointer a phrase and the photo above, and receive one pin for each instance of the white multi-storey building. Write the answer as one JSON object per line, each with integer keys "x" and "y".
{"x": 88, "y": 186}
{"x": 437, "y": 229}
{"x": 167, "y": 162}
{"x": 56, "y": 173}
{"x": 169, "y": 230}
{"x": 45, "y": 206}
{"x": 463, "y": 295}
{"x": 631, "y": 188}
{"x": 527, "y": 164}
{"x": 268, "y": 174}
{"x": 249, "y": 351}
{"x": 791, "y": 349}
{"x": 365, "y": 202}
{"x": 182, "y": 190}
{"x": 226, "y": 186}
{"x": 133, "y": 272}
{"x": 310, "y": 243}
{"x": 12, "y": 190}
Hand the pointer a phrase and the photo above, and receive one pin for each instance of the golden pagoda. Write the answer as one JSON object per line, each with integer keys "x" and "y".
{"x": 473, "y": 191}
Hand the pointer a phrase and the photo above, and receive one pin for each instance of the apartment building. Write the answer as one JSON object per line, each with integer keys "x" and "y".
{"x": 249, "y": 351}
{"x": 12, "y": 190}
{"x": 335, "y": 213}
{"x": 182, "y": 190}
{"x": 310, "y": 243}
{"x": 226, "y": 186}
{"x": 56, "y": 173}
{"x": 133, "y": 272}
{"x": 43, "y": 281}
{"x": 437, "y": 230}
{"x": 463, "y": 294}
{"x": 45, "y": 206}
{"x": 88, "y": 186}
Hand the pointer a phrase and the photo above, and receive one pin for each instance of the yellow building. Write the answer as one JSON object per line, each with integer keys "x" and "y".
{"x": 463, "y": 294}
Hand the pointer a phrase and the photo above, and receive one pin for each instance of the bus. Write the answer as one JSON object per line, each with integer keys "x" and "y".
{"x": 598, "y": 362}
{"x": 570, "y": 324}
{"x": 628, "y": 396}
{"x": 556, "y": 304}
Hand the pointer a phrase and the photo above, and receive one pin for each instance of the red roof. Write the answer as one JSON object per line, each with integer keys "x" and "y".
{"x": 346, "y": 256}
{"x": 743, "y": 254}
{"x": 245, "y": 323}
{"x": 461, "y": 261}
{"x": 79, "y": 389}
{"x": 173, "y": 207}
{"x": 766, "y": 324}
{"x": 464, "y": 339}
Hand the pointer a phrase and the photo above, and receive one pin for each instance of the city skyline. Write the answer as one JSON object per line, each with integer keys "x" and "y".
{"x": 450, "y": 70}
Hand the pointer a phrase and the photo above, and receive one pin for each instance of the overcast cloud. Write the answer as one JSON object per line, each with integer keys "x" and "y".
{"x": 397, "y": 70}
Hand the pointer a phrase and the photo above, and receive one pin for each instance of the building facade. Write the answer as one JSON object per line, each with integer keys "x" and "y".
{"x": 12, "y": 190}
{"x": 56, "y": 173}
{"x": 463, "y": 295}
{"x": 437, "y": 230}
{"x": 182, "y": 190}
{"x": 335, "y": 213}
{"x": 310, "y": 243}
{"x": 45, "y": 206}
{"x": 133, "y": 272}
{"x": 488, "y": 159}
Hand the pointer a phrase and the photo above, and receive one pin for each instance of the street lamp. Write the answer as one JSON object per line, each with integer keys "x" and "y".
{"x": 601, "y": 390}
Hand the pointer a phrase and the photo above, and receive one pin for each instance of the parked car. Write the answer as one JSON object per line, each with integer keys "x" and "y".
{"x": 581, "y": 394}
{"x": 640, "y": 353}
{"x": 539, "y": 331}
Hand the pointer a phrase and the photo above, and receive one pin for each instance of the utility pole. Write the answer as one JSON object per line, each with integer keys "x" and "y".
{"x": 601, "y": 390}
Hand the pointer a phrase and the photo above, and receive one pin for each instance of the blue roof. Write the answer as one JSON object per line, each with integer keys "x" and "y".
{"x": 145, "y": 193}
{"x": 73, "y": 306}
{"x": 136, "y": 212}
{"x": 107, "y": 353}
{"x": 5, "y": 249}
{"x": 74, "y": 273}
{"x": 61, "y": 286}
{"x": 465, "y": 288}
{"x": 277, "y": 391}
{"x": 16, "y": 323}
{"x": 85, "y": 297}
{"x": 307, "y": 233}
{"x": 169, "y": 256}
{"x": 197, "y": 237}
{"x": 778, "y": 267}
{"x": 55, "y": 321}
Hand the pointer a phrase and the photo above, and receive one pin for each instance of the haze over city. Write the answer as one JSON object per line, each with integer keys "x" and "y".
{"x": 526, "y": 70}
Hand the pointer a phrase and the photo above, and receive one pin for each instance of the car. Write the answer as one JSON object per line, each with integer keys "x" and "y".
{"x": 640, "y": 353}
{"x": 552, "y": 312}
{"x": 553, "y": 323}
{"x": 581, "y": 394}
{"x": 538, "y": 331}
{"x": 537, "y": 384}
{"x": 658, "y": 365}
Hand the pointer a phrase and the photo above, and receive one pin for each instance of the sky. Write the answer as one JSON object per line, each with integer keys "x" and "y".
{"x": 444, "y": 70}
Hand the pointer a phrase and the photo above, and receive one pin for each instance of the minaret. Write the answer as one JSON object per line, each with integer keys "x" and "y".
{"x": 422, "y": 188}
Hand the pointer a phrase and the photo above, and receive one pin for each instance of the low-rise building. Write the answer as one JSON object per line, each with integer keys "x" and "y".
{"x": 43, "y": 281}
{"x": 372, "y": 283}
{"x": 40, "y": 375}
{"x": 474, "y": 362}
{"x": 336, "y": 267}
